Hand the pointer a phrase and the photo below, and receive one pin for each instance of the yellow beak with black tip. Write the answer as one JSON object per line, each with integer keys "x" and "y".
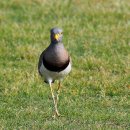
{"x": 56, "y": 36}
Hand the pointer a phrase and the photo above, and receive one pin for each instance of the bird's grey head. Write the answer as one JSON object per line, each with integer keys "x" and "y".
{"x": 56, "y": 35}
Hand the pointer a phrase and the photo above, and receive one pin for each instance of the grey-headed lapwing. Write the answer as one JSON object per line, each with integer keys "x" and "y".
{"x": 54, "y": 63}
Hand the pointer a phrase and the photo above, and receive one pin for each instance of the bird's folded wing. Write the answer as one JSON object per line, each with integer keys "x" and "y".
{"x": 40, "y": 62}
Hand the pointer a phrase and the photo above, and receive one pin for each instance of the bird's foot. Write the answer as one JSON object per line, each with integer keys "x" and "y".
{"x": 56, "y": 114}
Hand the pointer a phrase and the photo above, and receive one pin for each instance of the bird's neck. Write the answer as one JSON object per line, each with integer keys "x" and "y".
{"x": 55, "y": 43}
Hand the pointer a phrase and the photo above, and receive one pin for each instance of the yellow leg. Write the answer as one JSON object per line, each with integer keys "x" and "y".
{"x": 56, "y": 113}
{"x": 58, "y": 92}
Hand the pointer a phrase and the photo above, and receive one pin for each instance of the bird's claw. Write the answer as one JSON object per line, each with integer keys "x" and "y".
{"x": 56, "y": 114}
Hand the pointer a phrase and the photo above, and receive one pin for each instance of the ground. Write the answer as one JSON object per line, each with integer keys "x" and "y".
{"x": 96, "y": 94}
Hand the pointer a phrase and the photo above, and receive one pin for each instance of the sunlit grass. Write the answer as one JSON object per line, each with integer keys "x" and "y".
{"x": 96, "y": 95}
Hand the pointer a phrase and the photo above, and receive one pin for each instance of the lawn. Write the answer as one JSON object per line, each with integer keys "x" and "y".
{"x": 96, "y": 94}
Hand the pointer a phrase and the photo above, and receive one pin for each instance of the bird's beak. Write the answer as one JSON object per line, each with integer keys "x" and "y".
{"x": 56, "y": 36}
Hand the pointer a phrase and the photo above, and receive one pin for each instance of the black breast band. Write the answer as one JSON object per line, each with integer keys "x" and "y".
{"x": 53, "y": 67}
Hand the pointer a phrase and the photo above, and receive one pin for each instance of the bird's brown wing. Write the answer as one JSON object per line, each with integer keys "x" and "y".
{"x": 40, "y": 62}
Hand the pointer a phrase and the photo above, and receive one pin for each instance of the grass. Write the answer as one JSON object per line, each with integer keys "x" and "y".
{"x": 96, "y": 95}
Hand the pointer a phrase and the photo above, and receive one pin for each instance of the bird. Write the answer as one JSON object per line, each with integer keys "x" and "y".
{"x": 54, "y": 64}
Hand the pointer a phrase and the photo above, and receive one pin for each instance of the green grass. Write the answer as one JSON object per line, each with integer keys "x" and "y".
{"x": 96, "y": 95}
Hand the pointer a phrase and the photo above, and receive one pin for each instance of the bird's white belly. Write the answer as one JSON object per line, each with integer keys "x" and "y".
{"x": 50, "y": 75}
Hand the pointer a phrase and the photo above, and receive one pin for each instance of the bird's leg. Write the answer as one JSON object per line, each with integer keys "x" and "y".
{"x": 57, "y": 94}
{"x": 55, "y": 104}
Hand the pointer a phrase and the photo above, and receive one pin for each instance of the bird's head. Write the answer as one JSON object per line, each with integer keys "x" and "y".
{"x": 56, "y": 35}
